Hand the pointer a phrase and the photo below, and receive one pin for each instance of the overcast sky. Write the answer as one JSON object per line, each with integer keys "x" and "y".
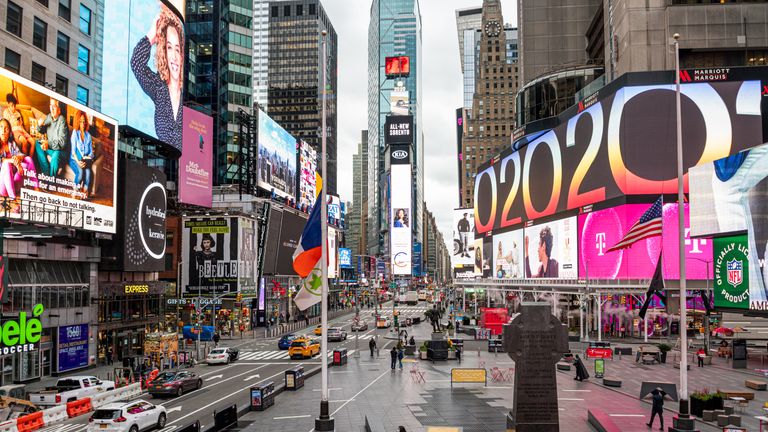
{"x": 442, "y": 93}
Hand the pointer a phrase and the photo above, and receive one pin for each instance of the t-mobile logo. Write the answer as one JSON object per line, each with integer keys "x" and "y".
{"x": 600, "y": 243}
{"x": 694, "y": 243}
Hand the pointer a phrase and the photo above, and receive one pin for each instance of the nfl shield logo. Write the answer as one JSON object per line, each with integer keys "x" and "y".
{"x": 734, "y": 272}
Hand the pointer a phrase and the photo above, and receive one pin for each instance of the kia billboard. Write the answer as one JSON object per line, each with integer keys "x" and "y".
{"x": 550, "y": 249}
{"x": 277, "y": 158}
{"x": 618, "y": 142}
{"x": 599, "y": 230}
{"x": 143, "y": 68}
{"x": 59, "y": 159}
{"x": 196, "y": 162}
{"x": 398, "y": 129}
{"x": 400, "y": 217}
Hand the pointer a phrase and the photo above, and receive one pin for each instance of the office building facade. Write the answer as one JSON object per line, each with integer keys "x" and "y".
{"x": 57, "y": 44}
{"x": 294, "y": 74}
{"x": 394, "y": 30}
{"x": 358, "y": 215}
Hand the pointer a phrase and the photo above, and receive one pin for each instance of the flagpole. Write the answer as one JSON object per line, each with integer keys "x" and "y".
{"x": 683, "y": 422}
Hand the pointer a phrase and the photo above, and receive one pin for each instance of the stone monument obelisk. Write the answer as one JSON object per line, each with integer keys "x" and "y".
{"x": 536, "y": 341}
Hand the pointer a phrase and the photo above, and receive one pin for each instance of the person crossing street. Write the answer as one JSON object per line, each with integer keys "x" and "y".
{"x": 372, "y": 346}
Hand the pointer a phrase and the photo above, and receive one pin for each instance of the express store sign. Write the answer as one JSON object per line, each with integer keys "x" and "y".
{"x": 624, "y": 143}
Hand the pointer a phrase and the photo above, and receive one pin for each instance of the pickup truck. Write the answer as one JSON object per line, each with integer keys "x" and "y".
{"x": 70, "y": 389}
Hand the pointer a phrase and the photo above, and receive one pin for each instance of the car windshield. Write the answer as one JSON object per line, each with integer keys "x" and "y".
{"x": 218, "y": 351}
{"x": 68, "y": 383}
{"x": 299, "y": 344}
{"x": 106, "y": 414}
{"x": 165, "y": 376}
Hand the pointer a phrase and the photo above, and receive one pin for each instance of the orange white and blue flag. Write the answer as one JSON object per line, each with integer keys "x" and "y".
{"x": 306, "y": 260}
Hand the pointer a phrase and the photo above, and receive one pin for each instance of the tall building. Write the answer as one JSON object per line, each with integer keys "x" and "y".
{"x": 56, "y": 44}
{"x": 394, "y": 30}
{"x": 491, "y": 120}
{"x": 295, "y": 76}
{"x": 358, "y": 216}
{"x": 260, "y": 52}
{"x": 220, "y": 61}
{"x": 468, "y": 22}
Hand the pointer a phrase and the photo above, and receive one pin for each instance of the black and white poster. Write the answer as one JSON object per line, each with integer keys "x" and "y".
{"x": 144, "y": 208}
{"x": 210, "y": 248}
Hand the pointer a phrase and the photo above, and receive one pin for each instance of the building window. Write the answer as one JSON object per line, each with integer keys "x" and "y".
{"x": 62, "y": 47}
{"x": 12, "y": 60}
{"x": 299, "y": 10}
{"x": 287, "y": 10}
{"x": 82, "y": 95}
{"x": 43, "y": 2}
{"x": 85, "y": 20}
{"x": 62, "y": 85}
{"x": 274, "y": 11}
{"x": 65, "y": 9}
{"x": 40, "y": 34}
{"x": 312, "y": 9}
{"x": 83, "y": 59}
{"x": 13, "y": 18}
{"x": 38, "y": 73}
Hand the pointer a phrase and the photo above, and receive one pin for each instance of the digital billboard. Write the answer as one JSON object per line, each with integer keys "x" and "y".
{"x": 550, "y": 249}
{"x": 195, "y": 164}
{"x": 400, "y": 217}
{"x": 732, "y": 287}
{"x": 307, "y": 180}
{"x": 59, "y": 158}
{"x": 144, "y": 209}
{"x": 345, "y": 258}
{"x": 143, "y": 68}
{"x": 508, "y": 255}
{"x": 398, "y": 101}
{"x": 73, "y": 347}
{"x": 601, "y": 229}
{"x": 462, "y": 259}
{"x": 398, "y": 129}
{"x": 291, "y": 227}
{"x": 333, "y": 262}
{"x": 621, "y": 141}
{"x": 334, "y": 207}
{"x": 277, "y": 158}
{"x": 399, "y": 66}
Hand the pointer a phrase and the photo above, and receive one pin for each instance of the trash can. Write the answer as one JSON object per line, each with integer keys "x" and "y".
{"x": 262, "y": 396}
{"x": 294, "y": 378}
{"x": 339, "y": 357}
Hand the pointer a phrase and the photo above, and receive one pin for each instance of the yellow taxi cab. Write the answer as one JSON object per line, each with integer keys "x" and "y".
{"x": 304, "y": 347}
{"x": 318, "y": 330}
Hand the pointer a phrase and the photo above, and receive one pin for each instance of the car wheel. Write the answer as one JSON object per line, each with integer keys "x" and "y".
{"x": 161, "y": 421}
{"x": 227, "y": 360}
{"x": 180, "y": 391}
{"x": 199, "y": 384}
{"x": 134, "y": 428}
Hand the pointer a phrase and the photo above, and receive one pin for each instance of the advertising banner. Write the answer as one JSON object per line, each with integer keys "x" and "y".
{"x": 399, "y": 66}
{"x": 195, "y": 164}
{"x": 400, "y": 210}
{"x": 732, "y": 289}
{"x": 345, "y": 258}
{"x": 508, "y": 255}
{"x": 617, "y": 143}
{"x": 73, "y": 347}
{"x": 462, "y": 259}
{"x": 307, "y": 181}
{"x": 59, "y": 158}
{"x": 143, "y": 76}
{"x": 210, "y": 250}
{"x": 398, "y": 129}
{"x": 601, "y": 229}
{"x": 277, "y": 158}
{"x": 144, "y": 206}
{"x": 550, "y": 249}
{"x": 334, "y": 208}
{"x": 417, "y": 257}
{"x": 290, "y": 232}
{"x": 333, "y": 262}
{"x": 247, "y": 258}
{"x": 398, "y": 101}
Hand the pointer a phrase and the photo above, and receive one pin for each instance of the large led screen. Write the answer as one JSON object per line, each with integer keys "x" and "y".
{"x": 277, "y": 158}
{"x": 400, "y": 218}
{"x": 600, "y": 230}
{"x": 307, "y": 178}
{"x": 333, "y": 262}
{"x": 195, "y": 164}
{"x": 508, "y": 255}
{"x": 550, "y": 249}
{"x": 620, "y": 142}
{"x": 290, "y": 232}
{"x": 143, "y": 68}
{"x": 58, "y": 158}
{"x": 462, "y": 258}
{"x": 144, "y": 216}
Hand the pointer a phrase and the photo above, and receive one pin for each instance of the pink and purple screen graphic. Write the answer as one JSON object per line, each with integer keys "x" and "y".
{"x": 599, "y": 230}
{"x": 195, "y": 170}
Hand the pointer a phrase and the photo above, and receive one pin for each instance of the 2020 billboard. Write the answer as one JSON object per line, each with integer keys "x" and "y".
{"x": 620, "y": 142}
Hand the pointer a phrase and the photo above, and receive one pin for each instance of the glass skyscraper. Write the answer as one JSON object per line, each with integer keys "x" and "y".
{"x": 394, "y": 30}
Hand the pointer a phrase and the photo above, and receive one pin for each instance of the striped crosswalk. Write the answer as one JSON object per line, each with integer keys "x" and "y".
{"x": 269, "y": 355}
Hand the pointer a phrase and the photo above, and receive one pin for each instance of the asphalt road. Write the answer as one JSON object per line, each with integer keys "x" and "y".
{"x": 259, "y": 360}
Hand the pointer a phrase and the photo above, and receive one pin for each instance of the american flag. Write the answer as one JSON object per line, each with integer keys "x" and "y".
{"x": 648, "y": 226}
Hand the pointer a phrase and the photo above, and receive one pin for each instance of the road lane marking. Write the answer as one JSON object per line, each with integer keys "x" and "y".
{"x": 570, "y": 399}
{"x": 212, "y": 385}
{"x": 626, "y": 415}
{"x": 583, "y": 391}
{"x": 291, "y": 417}
{"x": 330, "y": 389}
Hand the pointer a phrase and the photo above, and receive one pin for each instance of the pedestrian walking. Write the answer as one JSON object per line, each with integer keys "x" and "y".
{"x": 701, "y": 355}
{"x": 458, "y": 353}
{"x": 216, "y": 339}
{"x": 581, "y": 370}
{"x": 658, "y": 407}
{"x": 400, "y": 355}
{"x": 372, "y": 345}
{"x": 110, "y": 355}
{"x": 393, "y": 357}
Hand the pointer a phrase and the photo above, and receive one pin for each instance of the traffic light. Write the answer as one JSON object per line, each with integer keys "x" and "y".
{"x": 239, "y": 298}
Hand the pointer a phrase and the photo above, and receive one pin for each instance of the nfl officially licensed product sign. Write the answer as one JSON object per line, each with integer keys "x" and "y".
{"x": 732, "y": 272}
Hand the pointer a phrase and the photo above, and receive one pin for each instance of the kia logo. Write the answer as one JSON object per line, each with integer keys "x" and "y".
{"x": 399, "y": 154}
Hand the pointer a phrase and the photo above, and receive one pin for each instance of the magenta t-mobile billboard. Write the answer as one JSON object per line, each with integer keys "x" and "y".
{"x": 599, "y": 230}
{"x": 195, "y": 164}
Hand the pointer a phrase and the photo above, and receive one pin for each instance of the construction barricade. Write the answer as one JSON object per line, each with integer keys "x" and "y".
{"x": 30, "y": 422}
{"x": 54, "y": 414}
{"x": 79, "y": 407}
{"x": 8, "y": 426}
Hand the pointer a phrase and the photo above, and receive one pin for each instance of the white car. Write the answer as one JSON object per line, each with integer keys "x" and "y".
{"x": 133, "y": 416}
{"x": 222, "y": 355}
